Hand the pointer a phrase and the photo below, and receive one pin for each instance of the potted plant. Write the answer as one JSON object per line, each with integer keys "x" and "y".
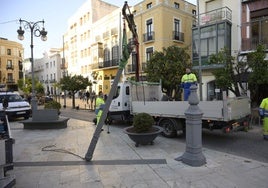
{"x": 53, "y": 105}
{"x": 143, "y": 131}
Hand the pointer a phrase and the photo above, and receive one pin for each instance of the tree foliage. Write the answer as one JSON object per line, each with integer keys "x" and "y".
{"x": 230, "y": 74}
{"x": 258, "y": 79}
{"x": 73, "y": 84}
{"x": 26, "y": 86}
{"x": 168, "y": 66}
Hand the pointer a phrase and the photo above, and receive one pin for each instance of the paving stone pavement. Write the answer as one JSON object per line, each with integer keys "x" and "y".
{"x": 117, "y": 163}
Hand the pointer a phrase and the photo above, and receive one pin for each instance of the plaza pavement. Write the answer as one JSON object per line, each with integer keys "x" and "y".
{"x": 117, "y": 163}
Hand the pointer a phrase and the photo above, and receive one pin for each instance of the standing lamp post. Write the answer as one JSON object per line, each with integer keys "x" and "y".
{"x": 34, "y": 28}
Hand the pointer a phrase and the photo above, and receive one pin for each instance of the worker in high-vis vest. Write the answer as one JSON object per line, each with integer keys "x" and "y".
{"x": 99, "y": 106}
{"x": 186, "y": 81}
{"x": 263, "y": 111}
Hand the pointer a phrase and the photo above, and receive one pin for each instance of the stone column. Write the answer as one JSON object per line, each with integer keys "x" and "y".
{"x": 193, "y": 155}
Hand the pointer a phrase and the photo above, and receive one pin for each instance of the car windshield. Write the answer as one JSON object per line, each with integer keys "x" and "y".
{"x": 11, "y": 98}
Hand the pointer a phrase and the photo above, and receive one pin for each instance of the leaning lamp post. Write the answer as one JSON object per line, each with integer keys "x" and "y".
{"x": 35, "y": 29}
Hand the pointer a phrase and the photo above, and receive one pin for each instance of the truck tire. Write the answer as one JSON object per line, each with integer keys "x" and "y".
{"x": 169, "y": 127}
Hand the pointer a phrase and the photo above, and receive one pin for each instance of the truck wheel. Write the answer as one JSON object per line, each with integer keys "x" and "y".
{"x": 169, "y": 127}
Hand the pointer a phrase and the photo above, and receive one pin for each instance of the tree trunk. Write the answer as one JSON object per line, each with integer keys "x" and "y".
{"x": 73, "y": 100}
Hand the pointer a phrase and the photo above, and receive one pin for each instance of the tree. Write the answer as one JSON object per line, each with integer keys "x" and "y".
{"x": 74, "y": 84}
{"x": 169, "y": 66}
{"x": 26, "y": 86}
{"x": 230, "y": 74}
{"x": 258, "y": 79}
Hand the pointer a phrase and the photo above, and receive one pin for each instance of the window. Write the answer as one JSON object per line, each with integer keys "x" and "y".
{"x": 10, "y": 77}
{"x": 149, "y": 5}
{"x": 8, "y": 51}
{"x": 149, "y": 53}
{"x": 177, "y": 34}
{"x": 115, "y": 55}
{"x": 194, "y": 12}
{"x": 9, "y": 64}
{"x": 127, "y": 90}
{"x": 176, "y": 5}
{"x": 213, "y": 39}
{"x": 149, "y": 28}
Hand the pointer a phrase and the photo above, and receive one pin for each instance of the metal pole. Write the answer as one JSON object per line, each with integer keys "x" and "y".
{"x": 199, "y": 55}
{"x": 35, "y": 30}
{"x": 98, "y": 129}
{"x": 33, "y": 99}
{"x": 125, "y": 55}
{"x": 64, "y": 73}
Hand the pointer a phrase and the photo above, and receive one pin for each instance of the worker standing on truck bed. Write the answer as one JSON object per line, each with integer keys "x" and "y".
{"x": 263, "y": 110}
{"x": 186, "y": 81}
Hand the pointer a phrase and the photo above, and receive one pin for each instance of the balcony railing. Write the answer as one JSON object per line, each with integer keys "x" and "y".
{"x": 10, "y": 81}
{"x": 178, "y": 36}
{"x": 131, "y": 68}
{"x": 252, "y": 43}
{"x": 216, "y": 15}
{"x": 109, "y": 63}
{"x": 10, "y": 67}
{"x": 148, "y": 36}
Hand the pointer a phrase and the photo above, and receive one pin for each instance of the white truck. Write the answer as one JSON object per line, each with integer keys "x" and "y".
{"x": 229, "y": 114}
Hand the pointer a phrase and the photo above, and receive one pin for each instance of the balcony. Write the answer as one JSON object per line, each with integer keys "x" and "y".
{"x": 52, "y": 81}
{"x": 114, "y": 32}
{"x": 131, "y": 68}
{"x": 64, "y": 66}
{"x": 10, "y": 81}
{"x": 10, "y": 67}
{"x": 147, "y": 37}
{"x": 252, "y": 43}
{"x": 109, "y": 63}
{"x": 216, "y": 15}
{"x": 178, "y": 36}
{"x": 106, "y": 35}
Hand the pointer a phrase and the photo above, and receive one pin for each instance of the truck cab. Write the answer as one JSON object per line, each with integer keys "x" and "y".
{"x": 120, "y": 105}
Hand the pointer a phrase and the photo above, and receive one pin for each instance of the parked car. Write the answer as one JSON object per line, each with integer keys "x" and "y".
{"x": 44, "y": 99}
{"x": 17, "y": 106}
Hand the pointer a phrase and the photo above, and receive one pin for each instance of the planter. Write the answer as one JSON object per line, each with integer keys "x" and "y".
{"x": 143, "y": 138}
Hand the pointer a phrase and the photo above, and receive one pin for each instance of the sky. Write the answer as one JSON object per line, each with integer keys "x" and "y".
{"x": 55, "y": 13}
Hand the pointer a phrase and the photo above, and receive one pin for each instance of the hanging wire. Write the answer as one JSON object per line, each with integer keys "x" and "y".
{"x": 6, "y": 22}
{"x": 46, "y": 148}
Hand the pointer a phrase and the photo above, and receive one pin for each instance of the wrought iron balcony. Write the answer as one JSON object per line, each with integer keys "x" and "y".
{"x": 178, "y": 36}
{"x": 10, "y": 67}
{"x": 148, "y": 36}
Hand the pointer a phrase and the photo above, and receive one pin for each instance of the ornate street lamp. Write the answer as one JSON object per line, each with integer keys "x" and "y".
{"x": 35, "y": 29}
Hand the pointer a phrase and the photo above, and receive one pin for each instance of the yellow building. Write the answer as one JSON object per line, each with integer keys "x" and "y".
{"x": 105, "y": 50}
{"x": 11, "y": 69}
{"x": 161, "y": 23}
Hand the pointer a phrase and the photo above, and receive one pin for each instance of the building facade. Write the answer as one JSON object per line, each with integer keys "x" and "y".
{"x": 11, "y": 67}
{"x": 218, "y": 27}
{"x": 161, "y": 24}
{"x": 93, "y": 44}
{"x": 86, "y": 38}
{"x": 254, "y": 24}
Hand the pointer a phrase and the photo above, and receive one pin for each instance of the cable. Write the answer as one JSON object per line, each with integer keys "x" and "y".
{"x": 61, "y": 151}
{"x": 8, "y": 21}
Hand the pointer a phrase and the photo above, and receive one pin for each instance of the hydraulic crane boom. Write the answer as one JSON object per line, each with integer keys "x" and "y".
{"x": 129, "y": 17}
